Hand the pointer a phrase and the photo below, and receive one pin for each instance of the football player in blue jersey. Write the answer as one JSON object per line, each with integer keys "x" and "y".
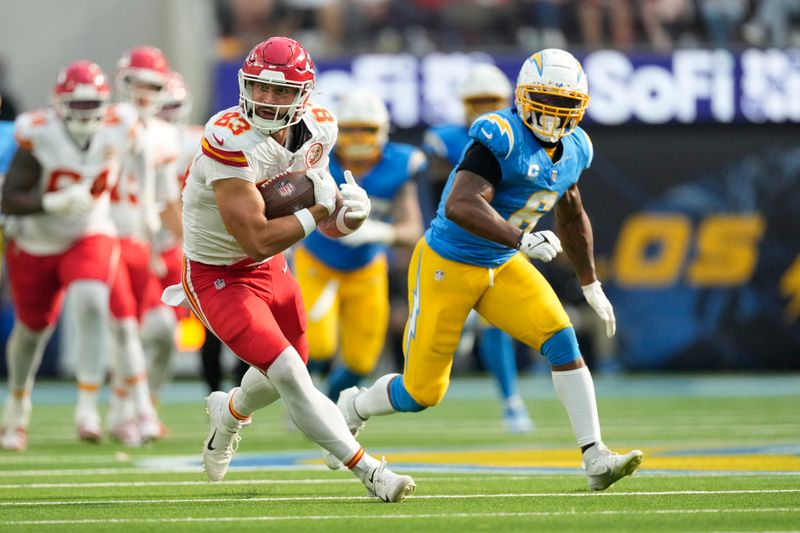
{"x": 484, "y": 89}
{"x": 521, "y": 162}
{"x": 345, "y": 281}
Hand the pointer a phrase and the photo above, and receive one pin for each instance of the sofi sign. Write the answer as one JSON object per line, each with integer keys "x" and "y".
{"x": 687, "y": 86}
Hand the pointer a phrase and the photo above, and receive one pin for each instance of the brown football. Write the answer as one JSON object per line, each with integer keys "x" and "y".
{"x": 329, "y": 226}
{"x": 287, "y": 193}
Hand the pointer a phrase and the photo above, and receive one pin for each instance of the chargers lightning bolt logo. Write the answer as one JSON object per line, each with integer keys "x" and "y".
{"x": 414, "y": 316}
{"x": 504, "y": 127}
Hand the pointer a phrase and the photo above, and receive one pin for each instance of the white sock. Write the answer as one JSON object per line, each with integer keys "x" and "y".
{"x": 158, "y": 341}
{"x": 255, "y": 392}
{"x": 89, "y": 313}
{"x": 363, "y": 466}
{"x": 575, "y": 390}
{"x": 130, "y": 365}
{"x": 24, "y": 356}
{"x": 313, "y": 412}
{"x": 375, "y": 401}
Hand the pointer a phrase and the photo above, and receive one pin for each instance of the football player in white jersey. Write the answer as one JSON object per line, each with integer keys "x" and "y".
{"x": 145, "y": 195}
{"x": 235, "y": 276}
{"x": 175, "y": 108}
{"x": 58, "y": 191}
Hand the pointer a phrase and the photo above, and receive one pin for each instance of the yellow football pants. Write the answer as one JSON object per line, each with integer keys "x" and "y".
{"x": 514, "y": 297}
{"x": 351, "y": 306}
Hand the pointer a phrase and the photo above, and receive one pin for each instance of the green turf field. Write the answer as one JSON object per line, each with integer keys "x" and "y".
{"x": 721, "y": 454}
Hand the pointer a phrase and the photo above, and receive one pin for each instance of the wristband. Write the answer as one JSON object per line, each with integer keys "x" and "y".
{"x": 519, "y": 240}
{"x": 306, "y": 220}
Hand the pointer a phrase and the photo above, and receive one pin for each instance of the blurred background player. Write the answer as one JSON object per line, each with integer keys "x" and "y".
{"x": 345, "y": 281}
{"x": 484, "y": 89}
{"x": 520, "y": 163}
{"x": 58, "y": 190}
{"x": 146, "y": 195}
{"x": 235, "y": 276}
{"x": 8, "y": 146}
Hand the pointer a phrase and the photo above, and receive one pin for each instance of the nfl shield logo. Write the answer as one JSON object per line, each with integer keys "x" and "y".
{"x": 438, "y": 275}
{"x": 284, "y": 188}
{"x": 553, "y": 175}
{"x": 219, "y": 284}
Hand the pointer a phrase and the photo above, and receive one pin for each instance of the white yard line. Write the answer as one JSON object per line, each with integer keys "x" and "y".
{"x": 361, "y": 517}
{"x": 245, "y": 499}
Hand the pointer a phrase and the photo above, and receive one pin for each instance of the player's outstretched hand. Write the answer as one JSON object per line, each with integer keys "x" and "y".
{"x": 324, "y": 188}
{"x": 597, "y": 299}
{"x": 355, "y": 198}
{"x": 71, "y": 200}
{"x": 542, "y": 245}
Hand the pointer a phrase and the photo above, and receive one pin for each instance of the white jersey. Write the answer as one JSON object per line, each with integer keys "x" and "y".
{"x": 231, "y": 148}
{"x": 189, "y": 137}
{"x": 148, "y": 179}
{"x": 64, "y": 163}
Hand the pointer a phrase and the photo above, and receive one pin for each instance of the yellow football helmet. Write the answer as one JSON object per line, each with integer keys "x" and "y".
{"x": 484, "y": 89}
{"x": 363, "y": 126}
{"x": 552, "y": 94}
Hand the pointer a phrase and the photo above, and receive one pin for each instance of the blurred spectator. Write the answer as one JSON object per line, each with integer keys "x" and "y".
{"x": 592, "y": 19}
{"x": 665, "y": 20}
{"x": 542, "y": 23}
{"x": 772, "y": 23}
{"x": 317, "y": 23}
{"x": 722, "y": 20}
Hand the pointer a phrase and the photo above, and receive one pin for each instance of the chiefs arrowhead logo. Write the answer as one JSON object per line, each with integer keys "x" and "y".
{"x": 313, "y": 155}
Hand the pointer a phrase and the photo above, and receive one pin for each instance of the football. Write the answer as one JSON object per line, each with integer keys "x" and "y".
{"x": 286, "y": 193}
{"x": 337, "y": 225}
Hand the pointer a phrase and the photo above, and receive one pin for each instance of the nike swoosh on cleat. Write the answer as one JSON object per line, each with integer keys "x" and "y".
{"x": 208, "y": 446}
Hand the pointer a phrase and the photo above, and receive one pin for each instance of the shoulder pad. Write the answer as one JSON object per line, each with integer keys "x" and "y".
{"x": 228, "y": 130}
{"x": 433, "y": 143}
{"x": 586, "y": 144}
{"x": 29, "y": 126}
{"x": 322, "y": 123}
{"x": 496, "y": 132}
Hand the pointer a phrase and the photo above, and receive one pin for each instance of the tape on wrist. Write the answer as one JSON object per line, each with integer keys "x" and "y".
{"x": 340, "y": 225}
{"x": 306, "y": 220}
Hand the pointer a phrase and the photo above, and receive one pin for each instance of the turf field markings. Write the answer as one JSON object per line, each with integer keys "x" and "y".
{"x": 422, "y": 497}
{"x": 407, "y": 516}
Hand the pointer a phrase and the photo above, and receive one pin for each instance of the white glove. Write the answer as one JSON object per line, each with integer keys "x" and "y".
{"x": 597, "y": 299}
{"x": 355, "y": 198}
{"x": 542, "y": 245}
{"x": 370, "y": 231}
{"x": 71, "y": 200}
{"x": 324, "y": 188}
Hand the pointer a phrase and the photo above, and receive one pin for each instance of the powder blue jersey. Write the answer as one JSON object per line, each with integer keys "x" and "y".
{"x": 446, "y": 142}
{"x": 8, "y": 146}
{"x": 530, "y": 186}
{"x": 399, "y": 163}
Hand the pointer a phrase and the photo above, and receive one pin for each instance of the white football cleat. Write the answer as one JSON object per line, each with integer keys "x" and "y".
{"x": 355, "y": 423}
{"x": 604, "y": 467}
{"x": 518, "y": 421}
{"x": 149, "y": 427}
{"x": 121, "y": 424}
{"x": 13, "y": 429}
{"x": 390, "y": 487}
{"x": 87, "y": 423}
{"x": 14, "y": 439}
{"x": 222, "y": 441}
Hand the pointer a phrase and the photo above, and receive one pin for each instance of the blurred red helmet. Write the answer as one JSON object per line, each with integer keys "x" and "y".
{"x": 80, "y": 97}
{"x": 142, "y": 76}
{"x": 177, "y": 103}
{"x": 282, "y": 62}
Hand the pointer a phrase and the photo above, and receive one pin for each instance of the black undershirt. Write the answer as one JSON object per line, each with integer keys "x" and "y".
{"x": 300, "y": 135}
{"x": 480, "y": 160}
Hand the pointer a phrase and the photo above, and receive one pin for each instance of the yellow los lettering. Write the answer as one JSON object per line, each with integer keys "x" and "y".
{"x": 727, "y": 250}
{"x": 670, "y": 232}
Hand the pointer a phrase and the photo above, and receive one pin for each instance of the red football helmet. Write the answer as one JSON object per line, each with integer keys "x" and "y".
{"x": 80, "y": 98}
{"x": 177, "y": 103}
{"x": 142, "y": 76}
{"x": 283, "y": 63}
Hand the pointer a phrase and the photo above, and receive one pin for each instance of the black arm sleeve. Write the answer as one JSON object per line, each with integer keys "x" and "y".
{"x": 480, "y": 160}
